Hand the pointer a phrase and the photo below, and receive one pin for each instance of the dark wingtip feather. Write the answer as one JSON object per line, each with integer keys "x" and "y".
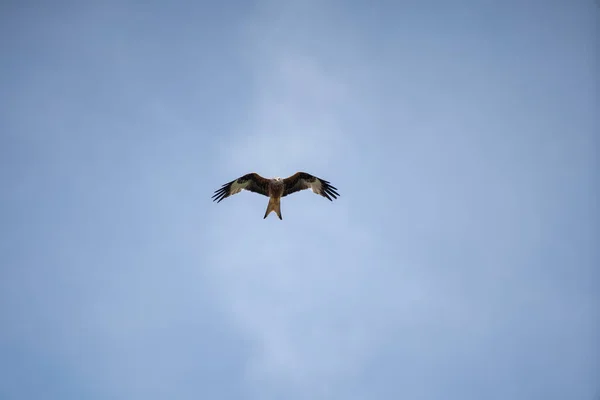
{"x": 329, "y": 190}
{"x": 222, "y": 192}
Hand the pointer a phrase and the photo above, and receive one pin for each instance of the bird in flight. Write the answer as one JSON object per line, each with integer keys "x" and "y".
{"x": 276, "y": 188}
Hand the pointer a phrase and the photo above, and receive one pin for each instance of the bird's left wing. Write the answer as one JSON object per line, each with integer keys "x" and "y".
{"x": 251, "y": 182}
{"x": 302, "y": 180}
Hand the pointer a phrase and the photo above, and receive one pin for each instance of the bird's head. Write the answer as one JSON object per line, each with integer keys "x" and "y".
{"x": 278, "y": 179}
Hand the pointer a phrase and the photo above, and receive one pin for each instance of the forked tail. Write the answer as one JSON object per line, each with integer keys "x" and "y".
{"x": 274, "y": 205}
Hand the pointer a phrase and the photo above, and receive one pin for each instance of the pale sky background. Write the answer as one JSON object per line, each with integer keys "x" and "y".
{"x": 459, "y": 263}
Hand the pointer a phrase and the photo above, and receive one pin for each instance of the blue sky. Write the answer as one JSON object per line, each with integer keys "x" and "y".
{"x": 459, "y": 263}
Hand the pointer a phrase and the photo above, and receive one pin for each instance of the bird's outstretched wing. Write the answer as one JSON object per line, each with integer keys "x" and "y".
{"x": 252, "y": 182}
{"x": 302, "y": 180}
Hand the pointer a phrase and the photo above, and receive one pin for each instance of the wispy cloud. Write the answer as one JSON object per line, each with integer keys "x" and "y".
{"x": 286, "y": 286}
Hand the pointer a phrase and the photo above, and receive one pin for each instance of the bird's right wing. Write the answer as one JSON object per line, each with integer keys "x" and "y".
{"x": 251, "y": 182}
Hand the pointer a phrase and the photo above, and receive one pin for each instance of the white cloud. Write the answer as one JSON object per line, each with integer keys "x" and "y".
{"x": 293, "y": 122}
{"x": 291, "y": 286}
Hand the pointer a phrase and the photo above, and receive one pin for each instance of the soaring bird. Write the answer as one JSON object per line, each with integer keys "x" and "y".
{"x": 276, "y": 188}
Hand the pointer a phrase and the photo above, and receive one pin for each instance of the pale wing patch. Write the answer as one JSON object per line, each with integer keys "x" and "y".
{"x": 237, "y": 187}
{"x": 316, "y": 186}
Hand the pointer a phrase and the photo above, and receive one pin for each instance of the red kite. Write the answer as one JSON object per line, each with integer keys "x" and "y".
{"x": 276, "y": 188}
